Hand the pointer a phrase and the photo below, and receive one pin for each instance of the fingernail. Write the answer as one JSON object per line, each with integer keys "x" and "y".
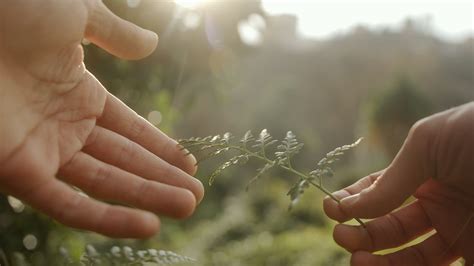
{"x": 156, "y": 37}
{"x": 340, "y": 194}
{"x": 152, "y": 224}
{"x": 152, "y": 36}
{"x": 350, "y": 201}
{"x": 192, "y": 159}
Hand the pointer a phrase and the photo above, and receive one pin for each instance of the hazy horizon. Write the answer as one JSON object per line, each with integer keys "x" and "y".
{"x": 322, "y": 19}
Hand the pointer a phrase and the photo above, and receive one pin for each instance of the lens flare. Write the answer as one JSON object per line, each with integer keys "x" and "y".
{"x": 191, "y": 4}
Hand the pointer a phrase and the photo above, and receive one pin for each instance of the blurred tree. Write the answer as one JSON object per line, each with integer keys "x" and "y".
{"x": 394, "y": 112}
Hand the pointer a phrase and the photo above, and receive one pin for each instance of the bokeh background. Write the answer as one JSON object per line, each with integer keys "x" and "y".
{"x": 330, "y": 71}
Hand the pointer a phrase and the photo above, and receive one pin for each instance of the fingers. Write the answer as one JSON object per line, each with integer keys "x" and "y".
{"x": 119, "y": 118}
{"x": 110, "y": 183}
{"x": 389, "y": 231}
{"x": 432, "y": 251}
{"x": 406, "y": 173}
{"x": 332, "y": 208}
{"x": 119, "y": 151}
{"x": 117, "y": 36}
{"x": 62, "y": 203}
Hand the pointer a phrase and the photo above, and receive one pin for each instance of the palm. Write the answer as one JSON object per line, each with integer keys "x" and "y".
{"x": 60, "y": 111}
{"x": 49, "y": 69}
{"x": 72, "y": 128}
{"x": 51, "y": 139}
{"x": 449, "y": 214}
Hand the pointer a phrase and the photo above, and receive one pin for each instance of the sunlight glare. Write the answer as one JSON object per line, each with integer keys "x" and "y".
{"x": 324, "y": 18}
{"x": 192, "y": 20}
{"x": 250, "y": 30}
{"x": 190, "y": 4}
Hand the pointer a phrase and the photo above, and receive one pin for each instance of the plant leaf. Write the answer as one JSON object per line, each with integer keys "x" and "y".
{"x": 260, "y": 172}
{"x": 247, "y": 138}
{"x": 288, "y": 149}
{"x": 239, "y": 159}
{"x": 296, "y": 191}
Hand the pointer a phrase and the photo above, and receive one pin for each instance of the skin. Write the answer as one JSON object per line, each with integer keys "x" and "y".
{"x": 59, "y": 127}
{"x": 436, "y": 166}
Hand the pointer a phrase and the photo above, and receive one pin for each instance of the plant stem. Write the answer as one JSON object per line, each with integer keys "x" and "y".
{"x": 4, "y": 257}
{"x": 296, "y": 172}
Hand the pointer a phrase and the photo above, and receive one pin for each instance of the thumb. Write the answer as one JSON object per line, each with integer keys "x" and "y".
{"x": 117, "y": 36}
{"x": 409, "y": 169}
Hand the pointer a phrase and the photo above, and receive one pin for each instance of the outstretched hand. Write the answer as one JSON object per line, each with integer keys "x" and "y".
{"x": 59, "y": 127}
{"x": 436, "y": 165}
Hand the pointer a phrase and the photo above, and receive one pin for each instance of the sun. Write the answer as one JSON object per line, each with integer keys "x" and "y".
{"x": 191, "y": 4}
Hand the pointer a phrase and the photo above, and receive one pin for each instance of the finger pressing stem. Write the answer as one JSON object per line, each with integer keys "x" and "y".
{"x": 338, "y": 201}
{"x": 399, "y": 181}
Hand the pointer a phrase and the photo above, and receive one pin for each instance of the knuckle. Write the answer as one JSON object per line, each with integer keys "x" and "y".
{"x": 98, "y": 24}
{"x": 137, "y": 127}
{"x": 128, "y": 154}
{"x": 140, "y": 196}
{"x": 169, "y": 147}
{"x": 423, "y": 144}
{"x": 398, "y": 230}
{"x": 370, "y": 236}
{"x": 374, "y": 176}
{"x": 421, "y": 130}
{"x": 98, "y": 179}
{"x": 169, "y": 171}
{"x": 63, "y": 211}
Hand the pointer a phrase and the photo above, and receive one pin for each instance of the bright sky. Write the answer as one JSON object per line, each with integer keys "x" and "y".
{"x": 451, "y": 19}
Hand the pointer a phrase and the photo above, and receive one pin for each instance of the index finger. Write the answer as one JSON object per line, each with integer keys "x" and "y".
{"x": 124, "y": 121}
{"x": 332, "y": 208}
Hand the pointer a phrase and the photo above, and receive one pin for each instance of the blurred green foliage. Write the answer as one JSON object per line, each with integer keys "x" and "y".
{"x": 203, "y": 79}
{"x": 394, "y": 112}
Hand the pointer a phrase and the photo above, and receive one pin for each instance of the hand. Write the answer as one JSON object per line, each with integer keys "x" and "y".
{"x": 436, "y": 165}
{"x": 59, "y": 127}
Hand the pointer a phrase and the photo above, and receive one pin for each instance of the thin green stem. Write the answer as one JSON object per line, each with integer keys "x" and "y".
{"x": 263, "y": 151}
{"x": 4, "y": 257}
{"x": 459, "y": 234}
{"x": 251, "y": 153}
{"x": 296, "y": 172}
